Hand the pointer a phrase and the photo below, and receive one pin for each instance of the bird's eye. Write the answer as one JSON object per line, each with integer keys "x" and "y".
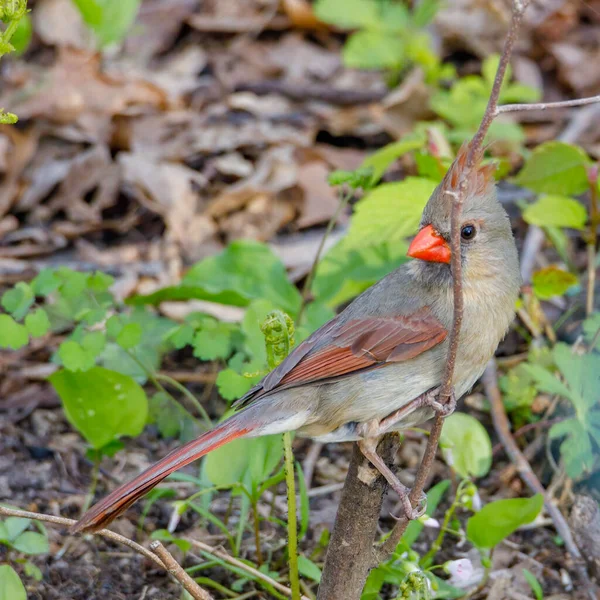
{"x": 468, "y": 232}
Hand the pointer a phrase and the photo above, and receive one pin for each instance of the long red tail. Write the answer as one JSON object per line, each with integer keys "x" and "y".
{"x": 103, "y": 512}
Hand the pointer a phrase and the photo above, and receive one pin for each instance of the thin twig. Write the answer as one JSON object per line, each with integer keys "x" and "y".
{"x": 508, "y": 108}
{"x": 313, "y": 269}
{"x": 593, "y": 239}
{"x": 178, "y": 572}
{"x": 242, "y": 565}
{"x": 105, "y": 533}
{"x": 502, "y": 428}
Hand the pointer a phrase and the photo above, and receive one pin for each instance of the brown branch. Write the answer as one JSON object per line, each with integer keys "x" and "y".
{"x": 242, "y": 565}
{"x": 502, "y": 428}
{"x": 177, "y": 571}
{"x": 157, "y": 558}
{"x": 508, "y": 108}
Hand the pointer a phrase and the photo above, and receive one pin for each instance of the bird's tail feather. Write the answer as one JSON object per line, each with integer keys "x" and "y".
{"x": 103, "y": 512}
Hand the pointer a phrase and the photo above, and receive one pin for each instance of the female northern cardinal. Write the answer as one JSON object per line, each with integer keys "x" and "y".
{"x": 375, "y": 367}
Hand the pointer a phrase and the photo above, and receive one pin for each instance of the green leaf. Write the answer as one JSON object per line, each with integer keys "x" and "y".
{"x": 102, "y": 405}
{"x": 213, "y": 340}
{"x": 361, "y": 178}
{"x": 31, "y": 542}
{"x": 129, "y": 336}
{"x": 75, "y": 357}
{"x": 557, "y": 211}
{"x": 307, "y": 568}
{"x": 379, "y": 161}
{"x": 162, "y": 413}
{"x": 100, "y": 282}
{"x": 22, "y": 36}
{"x": 246, "y": 270}
{"x": 110, "y": 20}
{"x": 232, "y": 385}
{"x": 552, "y": 281}
{"x": 37, "y": 323}
{"x": 11, "y": 587}
{"x": 547, "y": 382}
{"x": 14, "y": 527}
{"x": 12, "y": 334}
{"x": 91, "y": 11}
{"x": 73, "y": 283}
{"x": 18, "y": 300}
{"x": 497, "y": 520}
{"x": 424, "y": 12}
{"x": 181, "y": 336}
{"x": 374, "y": 49}
{"x": 555, "y": 168}
{"x": 249, "y": 461}
{"x": 468, "y": 444}
{"x": 349, "y": 14}
{"x": 534, "y": 584}
{"x": 45, "y": 282}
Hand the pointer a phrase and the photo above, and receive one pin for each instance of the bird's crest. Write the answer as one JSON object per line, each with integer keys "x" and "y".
{"x": 480, "y": 178}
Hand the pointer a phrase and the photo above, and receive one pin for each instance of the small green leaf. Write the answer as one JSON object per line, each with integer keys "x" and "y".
{"x": 181, "y": 336}
{"x": 232, "y": 385}
{"x": 308, "y": 568}
{"x": 18, "y": 300}
{"x": 22, "y": 36}
{"x": 213, "y": 340}
{"x": 37, "y": 323}
{"x": 102, "y": 405}
{"x": 379, "y": 161}
{"x": 12, "y": 334}
{"x": 31, "y": 542}
{"x": 45, "y": 282}
{"x": 74, "y": 357}
{"x": 349, "y": 14}
{"x": 15, "y": 526}
{"x": 73, "y": 282}
{"x": 100, "y": 282}
{"x": 374, "y": 49}
{"x": 552, "y": 281}
{"x": 555, "y": 168}
{"x": 11, "y": 587}
{"x": 497, "y": 520}
{"x": 129, "y": 336}
{"x": 534, "y": 584}
{"x": 361, "y": 178}
{"x": 161, "y": 412}
{"x": 467, "y": 445}
{"x": 557, "y": 211}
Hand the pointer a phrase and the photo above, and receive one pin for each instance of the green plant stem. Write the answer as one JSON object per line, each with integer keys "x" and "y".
{"x": 259, "y": 558}
{"x": 180, "y": 387}
{"x": 90, "y": 496}
{"x": 292, "y": 525}
{"x": 345, "y": 198}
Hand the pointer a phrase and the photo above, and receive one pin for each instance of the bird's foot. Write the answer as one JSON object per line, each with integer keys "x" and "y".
{"x": 441, "y": 408}
{"x": 412, "y": 513}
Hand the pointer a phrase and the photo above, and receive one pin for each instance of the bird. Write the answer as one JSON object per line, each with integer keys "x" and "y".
{"x": 378, "y": 365}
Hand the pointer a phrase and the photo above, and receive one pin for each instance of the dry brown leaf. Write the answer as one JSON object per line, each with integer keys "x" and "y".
{"x": 320, "y": 200}
{"x": 59, "y": 23}
{"x": 301, "y": 14}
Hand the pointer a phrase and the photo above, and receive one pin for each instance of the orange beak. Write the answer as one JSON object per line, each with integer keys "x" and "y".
{"x": 429, "y": 245}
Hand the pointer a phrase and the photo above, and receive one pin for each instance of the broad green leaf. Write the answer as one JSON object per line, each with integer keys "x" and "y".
{"x": 181, "y": 336}
{"x": 246, "y": 270}
{"x": 467, "y": 445}
{"x": 75, "y": 357}
{"x": 248, "y": 461}
{"x": 32, "y": 542}
{"x": 424, "y": 12}
{"x": 552, "y": 281}
{"x": 102, "y": 405}
{"x": 91, "y": 11}
{"x": 15, "y": 526}
{"x": 582, "y": 374}
{"x": 556, "y": 211}
{"x": 12, "y": 334}
{"x": 497, "y": 520}
{"x": 11, "y": 587}
{"x": 547, "y": 382}
{"x": 18, "y": 300}
{"x": 100, "y": 282}
{"x": 380, "y": 160}
{"x": 307, "y": 568}
{"x": 73, "y": 283}
{"x": 129, "y": 336}
{"x": 374, "y": 49}
{"x": 37, "y": 323}
{"x": 555, "y": 168}
{"x": 110, "y": 20}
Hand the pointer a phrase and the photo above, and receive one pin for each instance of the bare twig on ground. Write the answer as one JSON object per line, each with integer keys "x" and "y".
{"x": 242, "y": 565}
{"x": 502, "y": 427}
{"x": 176, "y": 570}
{"x": 157, "y": 558}
{"x": 508, "y": 108}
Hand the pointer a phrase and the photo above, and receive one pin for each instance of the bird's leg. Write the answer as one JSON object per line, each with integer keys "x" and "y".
{"x": 429, "y": 399}
{"x": 368, "y": 446}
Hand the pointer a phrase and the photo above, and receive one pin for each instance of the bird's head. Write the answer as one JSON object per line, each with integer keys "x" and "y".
{"x": 487, "y": 244}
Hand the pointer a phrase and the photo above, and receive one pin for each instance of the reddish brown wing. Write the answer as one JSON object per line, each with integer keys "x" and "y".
{"x": 356, "y": 345}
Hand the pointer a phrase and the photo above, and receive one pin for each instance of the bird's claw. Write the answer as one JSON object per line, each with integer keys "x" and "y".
{"x": 412, "y": 513}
